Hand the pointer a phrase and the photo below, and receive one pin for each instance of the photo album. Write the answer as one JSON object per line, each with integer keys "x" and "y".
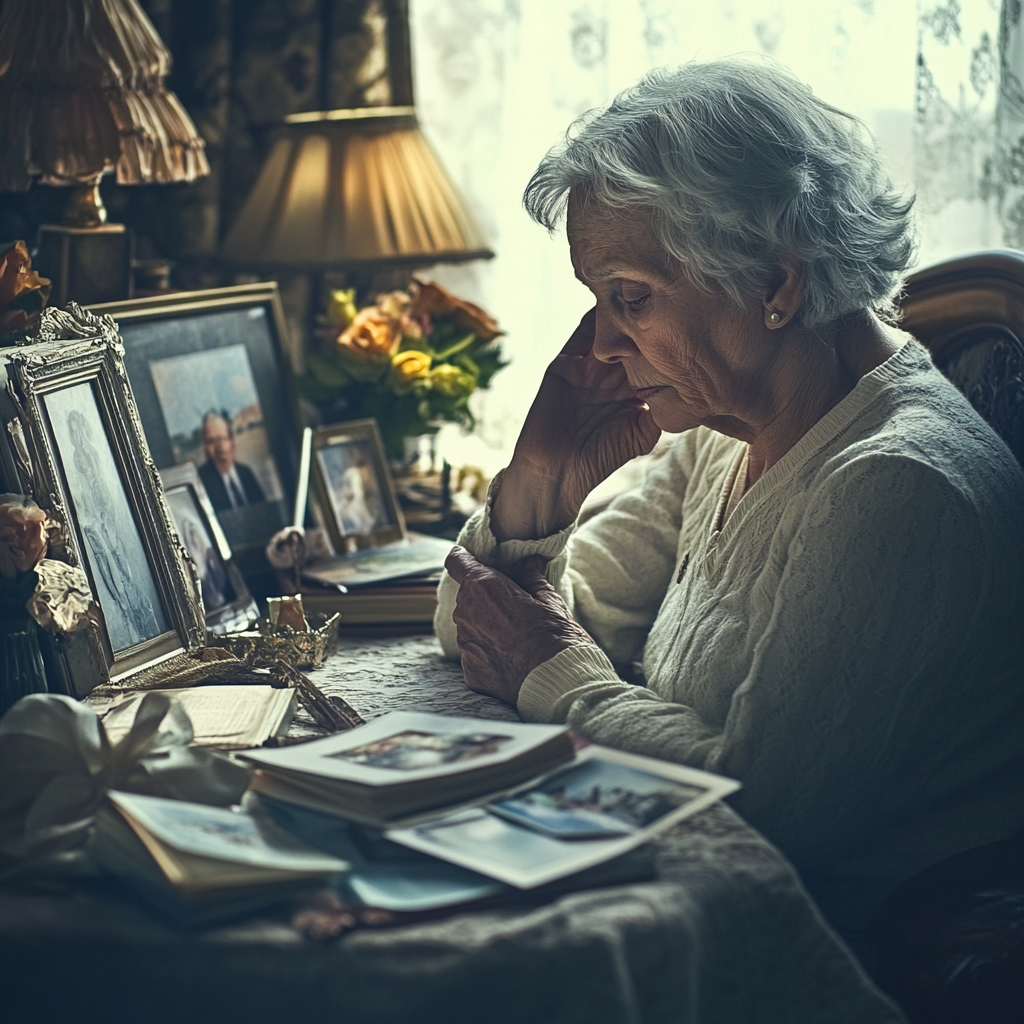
{"x": 514, "y": 802}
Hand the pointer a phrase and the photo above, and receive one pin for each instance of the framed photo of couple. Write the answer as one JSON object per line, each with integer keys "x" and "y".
{"x": 207, "y": 371}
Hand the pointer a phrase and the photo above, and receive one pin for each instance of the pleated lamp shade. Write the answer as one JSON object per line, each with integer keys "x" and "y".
{"x": 82, "y": 93}
{"x": 344, "y": 188}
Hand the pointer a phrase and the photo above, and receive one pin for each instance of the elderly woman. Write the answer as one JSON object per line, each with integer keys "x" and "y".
{"x": 823, "y": 572}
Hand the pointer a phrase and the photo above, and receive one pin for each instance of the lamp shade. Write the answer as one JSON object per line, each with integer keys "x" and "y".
{"x": 82, "y": 93}
{"x": 345, "y": 188}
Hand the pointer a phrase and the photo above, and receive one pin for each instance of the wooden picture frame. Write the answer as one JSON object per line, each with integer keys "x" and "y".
{"x": 353, "y": 486}
{"x": 227, "y": 603}
{"x": 210, "y": 380}
{"x": 72, "y": 440}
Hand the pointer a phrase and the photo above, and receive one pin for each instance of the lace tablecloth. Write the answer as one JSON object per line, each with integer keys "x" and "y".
{"x": 726, "y": 934}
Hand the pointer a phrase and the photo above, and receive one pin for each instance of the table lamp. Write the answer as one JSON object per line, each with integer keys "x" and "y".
{"x": 353, "y": 190}
{"x": 82, "y": 94}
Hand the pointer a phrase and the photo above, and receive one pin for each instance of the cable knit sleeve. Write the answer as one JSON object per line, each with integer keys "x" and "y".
{"x": 882, "y": 593}
{"x": 612, "y": 572}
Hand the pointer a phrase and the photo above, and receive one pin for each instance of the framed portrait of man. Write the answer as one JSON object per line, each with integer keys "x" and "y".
{"x": 212, "y": 390}
{"x": 73, "y": 440}
{"x": 227, "y": 603}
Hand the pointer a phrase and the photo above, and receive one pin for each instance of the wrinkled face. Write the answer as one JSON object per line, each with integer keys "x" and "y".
{"x": 693, "y": 355}
{"x": 219, "y": 444}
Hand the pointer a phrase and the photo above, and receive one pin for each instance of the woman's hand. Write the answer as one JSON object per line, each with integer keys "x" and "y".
{"x": 585, "y": 423}
{"x": 506, "y": 628}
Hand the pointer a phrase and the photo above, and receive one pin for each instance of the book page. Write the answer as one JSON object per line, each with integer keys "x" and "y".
{"x": 221, "y": 716}
{"x": 215, "y": 832}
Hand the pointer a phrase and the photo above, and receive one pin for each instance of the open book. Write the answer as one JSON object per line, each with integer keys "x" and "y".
{"x": 231, "y": 717}
{"x": 198, "y": 862}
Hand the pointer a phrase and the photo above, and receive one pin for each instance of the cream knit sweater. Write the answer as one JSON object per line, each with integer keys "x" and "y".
{"x": 849, "y": 644}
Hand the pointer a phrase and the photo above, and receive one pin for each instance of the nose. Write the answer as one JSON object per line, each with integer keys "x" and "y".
{"x": 611, "y": 342}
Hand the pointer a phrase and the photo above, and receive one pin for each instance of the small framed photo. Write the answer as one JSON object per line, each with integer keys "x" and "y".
{"x": 73, "y": 440}
{"x": 213, "y": 390}
{"x": 354, "y": 487}
{"x": 228, "y": 605}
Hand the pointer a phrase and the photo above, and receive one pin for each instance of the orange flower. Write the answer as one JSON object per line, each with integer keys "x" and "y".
{"x": 23, "y": 293}
{"x": 372, "y": 334}
{"x": 432, "y": 300}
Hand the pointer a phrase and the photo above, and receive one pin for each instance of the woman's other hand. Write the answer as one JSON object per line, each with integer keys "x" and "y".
{"x": 506, "y": 628}
{"x": 585, "y": 423}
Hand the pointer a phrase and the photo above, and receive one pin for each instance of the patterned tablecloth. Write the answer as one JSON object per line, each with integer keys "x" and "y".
{"x": 725, "y": 935}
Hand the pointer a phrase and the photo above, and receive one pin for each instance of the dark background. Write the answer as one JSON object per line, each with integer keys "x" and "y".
{"x": 239, "y": 67}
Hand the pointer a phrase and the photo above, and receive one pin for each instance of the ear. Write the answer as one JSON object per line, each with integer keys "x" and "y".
{"x": 783, "y": 295}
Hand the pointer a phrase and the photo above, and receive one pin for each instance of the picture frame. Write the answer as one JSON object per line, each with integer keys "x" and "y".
{"x": 72, "y": 439}
{"x": 228, "y": 605}
{"x": 209, "y": 377}
{"x": 353, "y": 486}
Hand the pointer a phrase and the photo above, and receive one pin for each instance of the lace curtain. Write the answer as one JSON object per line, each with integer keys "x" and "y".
{"x": 498, "y": 82}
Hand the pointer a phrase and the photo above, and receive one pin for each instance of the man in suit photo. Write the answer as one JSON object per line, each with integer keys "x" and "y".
{"x": 229, "y": 484}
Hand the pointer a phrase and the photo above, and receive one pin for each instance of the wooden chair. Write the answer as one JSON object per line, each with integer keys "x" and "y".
{"x": 950, "y": 940}
{"x": 970, "y": 314}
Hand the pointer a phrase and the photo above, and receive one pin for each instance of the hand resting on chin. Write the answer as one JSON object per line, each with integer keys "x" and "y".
{"x": 507, "y": 627}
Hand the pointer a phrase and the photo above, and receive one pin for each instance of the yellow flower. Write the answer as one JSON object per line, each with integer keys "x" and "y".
{"x": 371, "y": 334}
{"x": 407, "y": 367}
{"x": 341, "y": 310}
{"x": 451, "y": 381}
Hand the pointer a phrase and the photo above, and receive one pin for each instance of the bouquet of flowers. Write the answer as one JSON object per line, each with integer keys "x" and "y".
{"x": 411, "y": 361}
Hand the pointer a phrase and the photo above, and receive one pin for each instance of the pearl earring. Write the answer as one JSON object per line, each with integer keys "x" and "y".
{"x": 775, "y": 317}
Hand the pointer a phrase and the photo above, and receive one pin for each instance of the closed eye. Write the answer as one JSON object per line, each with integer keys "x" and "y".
{"x": 635, "y": 303}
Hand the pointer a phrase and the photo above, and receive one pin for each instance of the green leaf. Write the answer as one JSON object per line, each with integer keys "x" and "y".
{"x": 446, "y": 354}
{"x": 327, "y": 371}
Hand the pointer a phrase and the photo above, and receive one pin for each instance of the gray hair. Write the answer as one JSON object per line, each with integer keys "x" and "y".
{"x": 743, "y": 170}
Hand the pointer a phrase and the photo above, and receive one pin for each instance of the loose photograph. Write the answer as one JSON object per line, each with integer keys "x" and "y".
{"x": 409, "y": 751}
{"x": 214, "y": 419}
{"x": 595, "y": 799}
{"x": 118, "y": 568}
{"x": 604, "y": 804}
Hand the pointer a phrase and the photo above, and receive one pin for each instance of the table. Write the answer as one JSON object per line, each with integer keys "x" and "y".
{"x": 726, "y": 934}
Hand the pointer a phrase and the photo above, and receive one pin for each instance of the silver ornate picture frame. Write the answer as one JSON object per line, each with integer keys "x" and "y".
{"x": 72, "y": 440}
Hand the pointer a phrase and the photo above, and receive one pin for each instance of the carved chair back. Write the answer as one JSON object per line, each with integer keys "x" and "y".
{"x": 969, "y": 312}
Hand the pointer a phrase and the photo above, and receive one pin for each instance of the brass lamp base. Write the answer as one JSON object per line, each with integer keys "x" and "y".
{"x": 84, "y": 208}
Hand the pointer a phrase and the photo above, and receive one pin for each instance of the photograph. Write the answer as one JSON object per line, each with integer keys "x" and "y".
{"x": 353, "y": 487}
{"x": 595, "y": 799}
{"x": 210, "y": 381}
{"x": 227, "y": 602}
{"x": 604, "y": 804}
{"x": 408, "y": 751}
{"x": 214, "y": 419}
{"x": 115, "y": 558}
{"x": 217, "y": 590}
